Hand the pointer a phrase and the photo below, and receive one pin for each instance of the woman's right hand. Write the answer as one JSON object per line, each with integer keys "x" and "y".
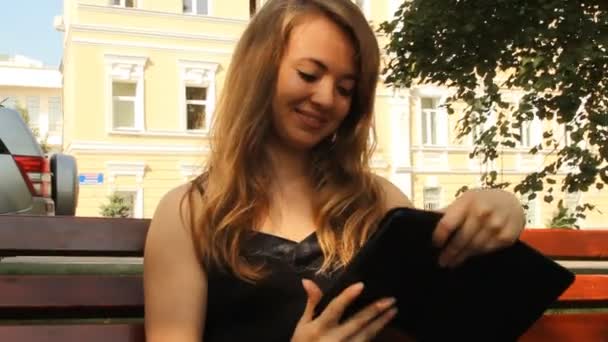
{"x": 363, "y": 326}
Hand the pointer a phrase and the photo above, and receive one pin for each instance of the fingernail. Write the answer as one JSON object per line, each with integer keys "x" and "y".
{"x": 305, "y": 283}
{"x": 386, "y": 302}
{"x": 358, "y": 286}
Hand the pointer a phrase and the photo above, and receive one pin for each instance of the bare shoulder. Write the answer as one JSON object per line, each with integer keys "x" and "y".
{"x": 171, "y": 224}
{"x": 175, "y": 297}
{"x": 174, "y": 205}
{"x": 170, "y": 228}
{"x": 393, "y": 196}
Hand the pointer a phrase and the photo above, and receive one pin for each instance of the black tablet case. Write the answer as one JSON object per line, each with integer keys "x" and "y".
{"x": 493, "y": 297}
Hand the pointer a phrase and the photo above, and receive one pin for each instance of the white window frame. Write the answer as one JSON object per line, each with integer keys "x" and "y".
{"x": 441, "y": 94}
{"x": 132, "y": 99}
{"x": 530, "y": 131}
{"x": 33, "y": 103}
{"x": 136, "y": 196}
{"x": 197, "y": 74}
{"x": 532, "y": 221}
{"x": 430, "y": 203}
{"x": 123, "y": 4}
{"x": 11, "y": 101}
{"x": 567, "y": 141}
{"x": 195, "y": 8}
{"x": 204, "y": 103}
{"x": 478, "y": 130}
{"x": 58, "y": 122}
{"x": 136, "y": 169}
{"x": 572, "y": 200}
{"x": 426, "y": 123}
{"x": 525, "y": 134}
{"x": 128, "y": 69}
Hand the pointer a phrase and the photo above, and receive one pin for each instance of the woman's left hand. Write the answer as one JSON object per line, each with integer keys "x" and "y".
{"x": 480, "y": 221}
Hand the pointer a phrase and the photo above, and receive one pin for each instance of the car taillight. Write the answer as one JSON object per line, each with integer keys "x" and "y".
{"x": 37, "y": 174}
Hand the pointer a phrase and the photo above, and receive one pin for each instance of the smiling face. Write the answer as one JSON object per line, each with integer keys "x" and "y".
{"x": 315, "y": 84}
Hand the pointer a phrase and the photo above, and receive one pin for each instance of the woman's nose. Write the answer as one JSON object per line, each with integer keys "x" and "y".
{"x": 324, "y": 94}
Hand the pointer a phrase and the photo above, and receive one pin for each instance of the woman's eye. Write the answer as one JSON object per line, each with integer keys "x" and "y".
{"x": 346, "y": 92}
{"x": 307, "y": 77}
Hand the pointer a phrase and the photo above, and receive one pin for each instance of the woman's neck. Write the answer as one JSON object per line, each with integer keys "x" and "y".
{"x": 290, "y": 167}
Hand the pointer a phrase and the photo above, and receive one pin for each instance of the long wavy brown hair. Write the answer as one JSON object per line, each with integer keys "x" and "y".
{"x": 234, "y": 186}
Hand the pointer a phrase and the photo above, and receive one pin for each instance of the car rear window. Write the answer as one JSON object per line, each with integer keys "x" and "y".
{"x": 3, "y": 149}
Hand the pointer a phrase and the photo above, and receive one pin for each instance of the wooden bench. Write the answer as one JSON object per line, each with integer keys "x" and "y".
{"x": 109, "y": 307}
{"x": 71, "y": 307}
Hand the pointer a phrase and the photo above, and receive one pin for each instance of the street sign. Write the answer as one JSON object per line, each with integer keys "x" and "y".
{"x": 90, "y": 178}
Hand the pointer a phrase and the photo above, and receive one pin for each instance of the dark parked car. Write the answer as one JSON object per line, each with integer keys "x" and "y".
{"x": 30, "y": 182}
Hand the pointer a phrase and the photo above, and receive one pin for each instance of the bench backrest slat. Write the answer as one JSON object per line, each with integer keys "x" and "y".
{"x": 71, "y": 236}
{"x": 588, "y": 288}
{"x": 569, "y": 243}
{"x": 69, "y": 296}
{"x": 132, "y": 332}
{"x": 569, "y": 327}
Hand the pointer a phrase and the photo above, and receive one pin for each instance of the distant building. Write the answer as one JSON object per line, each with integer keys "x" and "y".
{"x": 29, "y": 84}
{"x": 141, "y": 79}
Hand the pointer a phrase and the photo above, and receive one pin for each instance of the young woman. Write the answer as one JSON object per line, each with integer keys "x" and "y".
{"x": 244, "y": 251}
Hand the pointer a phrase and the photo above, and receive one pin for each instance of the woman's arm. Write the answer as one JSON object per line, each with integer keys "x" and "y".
{"x": 393, "y": 196}
{"x": 175, "y": 285}
{"x": 477, "y": 222}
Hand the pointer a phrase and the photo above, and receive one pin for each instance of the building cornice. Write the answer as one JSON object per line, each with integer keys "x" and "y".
{"x": 102, "y": 147}
{"x": 159, "y": 14}
{"x": 145, "y": 45}
{"x": 139, "y": 32}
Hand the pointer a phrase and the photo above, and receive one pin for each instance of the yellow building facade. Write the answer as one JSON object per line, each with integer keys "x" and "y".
{"x": 140, "y": 82}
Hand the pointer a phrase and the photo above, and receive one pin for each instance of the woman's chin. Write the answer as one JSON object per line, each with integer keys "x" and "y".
{"x": 302, "y": 144}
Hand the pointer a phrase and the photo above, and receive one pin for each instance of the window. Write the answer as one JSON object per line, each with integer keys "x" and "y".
{"x": 200, "y": 7}
{"x": 197, "y": 94}
{"x": 124, "y": 3}
{"x": 125, "y": 89}
{"x": 33, "y": 111}
{"x": 126, "y": 178}
{"x": 55, "y": 116}
{"x": 531, "y": 210}
{"x": 429, "y": 117}
{"x": 123, "y": 104}
{"x": 9, "y": 102}
{"x": 196, "y": 102}
{"x": 525, "y": 134}
{"x": 432, "y": 198}
{"x": 567, "y": 138}
{"x": 478, "y": 129}
{"x": 129, "y": 200}
{"x": 571, "y": 200}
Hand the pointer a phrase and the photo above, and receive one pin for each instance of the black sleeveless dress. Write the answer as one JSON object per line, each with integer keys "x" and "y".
{"x": 270, "y": 309}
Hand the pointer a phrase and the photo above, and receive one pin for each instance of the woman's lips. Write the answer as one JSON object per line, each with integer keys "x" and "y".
{"x": 311, "y": 120}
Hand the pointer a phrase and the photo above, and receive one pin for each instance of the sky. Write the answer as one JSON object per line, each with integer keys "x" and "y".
{"x": 26, "y": 28}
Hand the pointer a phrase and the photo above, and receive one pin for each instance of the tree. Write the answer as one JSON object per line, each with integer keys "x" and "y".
{"x": 117, "y": 206}
{"x": 553, "y": 51}
{"x": 35, "y": 130}
{"x": 563, "y": 218}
